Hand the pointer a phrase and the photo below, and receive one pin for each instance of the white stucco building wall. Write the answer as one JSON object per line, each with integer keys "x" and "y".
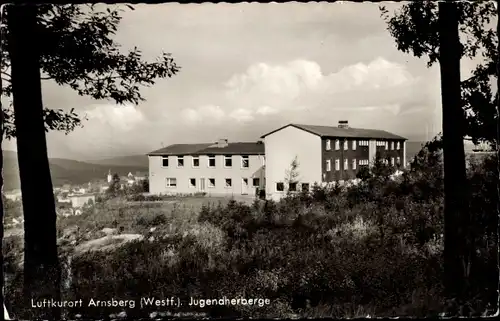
{"x": 242, "y": 179}
{"x": 281, "y": 148}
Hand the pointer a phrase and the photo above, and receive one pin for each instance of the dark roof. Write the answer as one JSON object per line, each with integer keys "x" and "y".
{"x": 253, "y": 148}
{"x": 333, "y": 131}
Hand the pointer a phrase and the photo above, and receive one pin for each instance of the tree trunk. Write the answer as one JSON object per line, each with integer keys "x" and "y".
{"x": 41, "y": 265}
{"x": 498, "y": 132}
{"x": 2, "y": 277}
{"x": 456, "y": 246}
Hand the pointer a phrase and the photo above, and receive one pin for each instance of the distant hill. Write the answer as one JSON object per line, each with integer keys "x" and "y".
{"x": 133, "y": 160}
{"x": 67, "y": 171}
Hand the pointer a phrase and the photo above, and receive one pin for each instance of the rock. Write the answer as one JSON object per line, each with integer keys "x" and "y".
{"x": 107, "y": 242}
{"x": 70, "y": 232}
{"x": 109, "y": 231}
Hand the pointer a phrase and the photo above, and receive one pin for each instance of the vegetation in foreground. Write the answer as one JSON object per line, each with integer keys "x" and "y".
{"x": 371, "y": 249}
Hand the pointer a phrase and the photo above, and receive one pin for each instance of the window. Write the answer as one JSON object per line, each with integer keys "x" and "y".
{"x": 398, "y": 160}
{"x": 346, "y": 145}
{"x": 354, "y": 164}
{"x": 171, "y": 182}
{"x": 353, "y": 145}
{"x": 386, "y": 145}
{"x": 228, "y": 161}
{"x": 392, "y": 145}
{"x": 392, "y": 160}
{"x": 211, "y": 182}
{"x": 305, "y": 186}
{"x": 398, "y": 146}
{"x": 245, "y": 163}
{"x": 328, "y": 144}
{"x": 211, "y": 161}
{"x": 292, "y": 187}
{"x": 192, "y": 182}
{"x": 196, "y": 161}
{"x": 164, "y": 161}
{"x": 337, "y": 164}
{"x": 328, "y": 165}
{"x": 346, "y": 164}
{"x": 280, "y": 187}
{"x": 256, "y": 182}
{"x": 363, "y": 162}
{"x": 365, "y": 143}
{"x": 229, "y": 182}
{"x": 180, "y": 161}
{"x": 337, "y": 144}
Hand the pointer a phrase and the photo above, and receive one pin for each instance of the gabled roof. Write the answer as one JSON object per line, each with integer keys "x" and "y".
{"x": 333, "y": 131}
{"x": 238, "y": 148}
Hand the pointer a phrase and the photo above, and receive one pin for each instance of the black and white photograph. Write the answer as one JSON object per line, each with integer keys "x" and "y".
{"x": 250, "y": 160}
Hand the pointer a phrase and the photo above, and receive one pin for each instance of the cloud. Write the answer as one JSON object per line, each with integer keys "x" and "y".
{"x": 242, "y": 115}
{"x": 266, "y": 110}
{"x": 204, "y": 113}
{"x": 300, "y": 86}
{"x": 121, "y": 118}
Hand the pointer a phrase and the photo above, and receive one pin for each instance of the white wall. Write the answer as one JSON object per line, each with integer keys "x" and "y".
{"x": 372, "y": 150}
{"x": 281, "y": 149}
{"x": 78, "y": 201}
{"x": 158, "y": 175}
{"x": 404, "y": 154}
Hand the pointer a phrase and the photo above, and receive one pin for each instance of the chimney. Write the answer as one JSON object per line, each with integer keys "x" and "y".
{"x": 221, "y": 143}
{"x": 343, "y": 124}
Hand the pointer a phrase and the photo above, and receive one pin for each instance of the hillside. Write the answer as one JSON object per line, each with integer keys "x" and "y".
{"x": 67, "y": 171}
{"x": 133, "y": 160}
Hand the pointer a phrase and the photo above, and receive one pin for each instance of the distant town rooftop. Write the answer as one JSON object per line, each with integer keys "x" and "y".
{"x": 342, "y": 131}
{"x": 219, "y": 148}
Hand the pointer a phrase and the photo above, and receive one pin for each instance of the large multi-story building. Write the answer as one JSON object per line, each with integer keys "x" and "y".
{"x": 222, "y": 168}
{"x": 325, "y": 154}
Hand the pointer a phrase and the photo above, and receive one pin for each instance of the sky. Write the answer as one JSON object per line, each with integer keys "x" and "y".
{"x": 247, "y": 69}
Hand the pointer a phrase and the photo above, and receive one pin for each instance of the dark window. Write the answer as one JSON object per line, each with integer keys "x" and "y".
{"x": 164, "y": 161}
{"x": 192, "y": 182}
{"x": 180, "y": 161}
{"x": 280, "y": 187}
{"x": 305, "y": 186}
{"x": 228, "y": 161}
{"x": 244, "y": 161}
{"x": 292, "y": 187}
{"x": 211, "y": 182}
{"x": 229, "y": 182}
{"x": 256, "y": 182}
{"x": 196, "y": 161}
{"x": 211, "y": 161}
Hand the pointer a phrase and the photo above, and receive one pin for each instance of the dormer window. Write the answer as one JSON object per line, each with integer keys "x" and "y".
{"x": 328, "y": 144}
